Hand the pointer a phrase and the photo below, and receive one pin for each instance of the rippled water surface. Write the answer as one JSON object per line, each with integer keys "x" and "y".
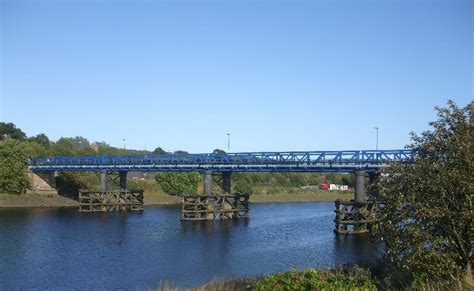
{"x": 62, "y": 248}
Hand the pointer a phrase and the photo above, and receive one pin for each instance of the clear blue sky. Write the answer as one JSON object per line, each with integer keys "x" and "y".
{"x": 276, "y": 75}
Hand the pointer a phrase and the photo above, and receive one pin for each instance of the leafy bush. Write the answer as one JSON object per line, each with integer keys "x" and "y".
{"x": 178, "y": 183}
{"x": 427, "y": 221}
{"x": 69, "y": 183}
{"x": 243, "y": 183}
{"x": 13, "y": 163}
{"x": 312, "y": 279}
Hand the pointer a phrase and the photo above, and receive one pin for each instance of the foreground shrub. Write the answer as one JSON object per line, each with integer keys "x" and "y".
{"x": 13, "y": 164}
{"x": 427, "y": 221}
{"x": 312, "y": 279}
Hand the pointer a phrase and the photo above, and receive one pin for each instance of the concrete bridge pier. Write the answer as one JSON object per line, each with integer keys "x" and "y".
{"x": 42, "y": 183}
{"x": 360, "y": 186}
{"x": 226, "y": 182}
{"x": 123, "y": 180}
{"x": 355, "y": 216}
{"x": 103, "y": 181}
{"x": 208, "y": 183}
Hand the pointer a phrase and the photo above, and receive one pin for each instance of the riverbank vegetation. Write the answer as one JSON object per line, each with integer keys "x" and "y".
{"x": 339, "y": 278}
{"x": 312, "y": 279}
{"x": 427, "y": 219}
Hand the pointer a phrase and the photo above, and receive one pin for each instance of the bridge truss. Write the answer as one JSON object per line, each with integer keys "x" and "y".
{"x": 310, "y": 161}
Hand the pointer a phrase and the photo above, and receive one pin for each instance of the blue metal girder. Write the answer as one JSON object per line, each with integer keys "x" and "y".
{"x": 313, "y": 161}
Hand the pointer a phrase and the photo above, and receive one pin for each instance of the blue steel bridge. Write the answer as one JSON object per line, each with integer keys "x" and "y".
{"x": 294, "y": 161}
{"x": 364, "y": 164}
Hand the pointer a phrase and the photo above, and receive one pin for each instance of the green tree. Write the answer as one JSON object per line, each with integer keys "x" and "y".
{"x": 427, "y": 221}
{"x": 243, "y": 182}
{"x": 67, "y": 146}
{"x": 13, "y": 163}
{"x": 348, "y": 180}
{"x": 178, "y": 183}
{"x": 69, "y": 183}
{"x": 9, "y": 130}
{"x": 296, "y": 179}
{"x": 218, "y": 151}
{"x": 106, "y": 150}
{"x": 159, "y": 151}
{"x": 34, "y": 149}
{"x": 41, "y": 139}
{"x": 63, "y": 147}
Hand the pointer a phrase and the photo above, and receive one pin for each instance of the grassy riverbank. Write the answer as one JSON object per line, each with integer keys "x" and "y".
{"x": 262, "y": 194}
{"x": 291, "y": 194}
{"x": 32, "y": 200}
{"x": 155, "y": 196}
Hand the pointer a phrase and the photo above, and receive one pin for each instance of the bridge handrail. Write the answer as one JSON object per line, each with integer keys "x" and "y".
{"x": 242, "y": 158}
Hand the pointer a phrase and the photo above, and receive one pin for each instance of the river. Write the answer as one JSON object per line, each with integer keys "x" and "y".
{"x": 60, "y": 248}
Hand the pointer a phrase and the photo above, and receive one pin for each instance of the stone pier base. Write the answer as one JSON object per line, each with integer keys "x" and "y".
{"x": 42, "y": 183}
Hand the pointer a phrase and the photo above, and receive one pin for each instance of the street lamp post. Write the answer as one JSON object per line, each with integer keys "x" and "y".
{"x": 377, "y": 139}
{"x": 228, "y": 142}
{"x": 123, "y": 143}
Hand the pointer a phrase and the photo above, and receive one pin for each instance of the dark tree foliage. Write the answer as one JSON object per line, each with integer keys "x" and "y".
{"x": 9, "y": 130}
{"x": 427, "y": 221}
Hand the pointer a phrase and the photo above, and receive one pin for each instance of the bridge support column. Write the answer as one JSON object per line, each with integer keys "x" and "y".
{"x": 226, "y": 182}
{"x": 103, "y": 181}
{"x": 208, "y": 183}
{"x": 42, "y": 183}
{"x": 123, "y": 180}
{"x": 358, "y": 215}
{"x": 360, "y": 186}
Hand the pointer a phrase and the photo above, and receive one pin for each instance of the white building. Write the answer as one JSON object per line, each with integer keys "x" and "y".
{"x": 335, "y": 187}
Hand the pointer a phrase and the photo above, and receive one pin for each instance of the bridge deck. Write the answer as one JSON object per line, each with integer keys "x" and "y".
{"x": 313, "y": 161}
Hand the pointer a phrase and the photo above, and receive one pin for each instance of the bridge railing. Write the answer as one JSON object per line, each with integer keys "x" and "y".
{"x": 354, "y": 157}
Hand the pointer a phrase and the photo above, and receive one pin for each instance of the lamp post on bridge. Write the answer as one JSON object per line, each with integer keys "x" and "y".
{"x": 228, "y": 142}
{"x": 377, "y": 139}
